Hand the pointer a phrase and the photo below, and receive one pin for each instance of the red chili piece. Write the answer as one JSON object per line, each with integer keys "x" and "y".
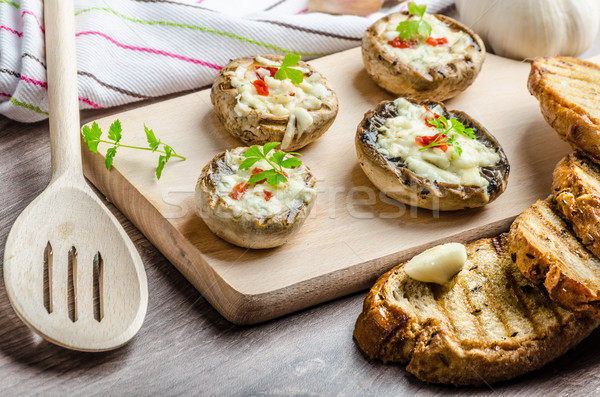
{"x": 436, "y": 42}
{"x": 271, "y": 70}
{"x": 258, "y": 171}
{"x": 428, "y": 140}
{"x": 399, "y": 43}
{"x": 238, "y": 191}
{"x": 261, "y": 87}
{"x": 268, "y": 195}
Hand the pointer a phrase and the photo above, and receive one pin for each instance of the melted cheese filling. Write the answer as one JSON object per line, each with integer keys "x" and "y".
{"x": 397, "y": 139}
{"x": 424, "y": 57}
{"x": 254, "y": 201}
{"x": 284, "y": 99}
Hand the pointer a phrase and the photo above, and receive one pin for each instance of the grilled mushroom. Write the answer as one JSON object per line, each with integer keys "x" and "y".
{"x": 432, "y": 70}
{"x": 255, "y": 215}
{"x": 396, "y": 149}
{"x": 257, "y": 108}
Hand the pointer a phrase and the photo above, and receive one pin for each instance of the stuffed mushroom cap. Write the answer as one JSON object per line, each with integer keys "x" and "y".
{"x": 257, "y": 108}
{"x": 411, "y": 161}
{"x": 252, "y": 215}
{"x": 438, "y": 69}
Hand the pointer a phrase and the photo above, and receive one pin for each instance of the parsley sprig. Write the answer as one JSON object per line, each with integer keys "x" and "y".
{"x": 446, "y": 126}
{"x": 286, "y": 71}
{"x": 277, "y": 160}
{"x": 415, "y": 29}
{"x": 92, "y": 135}
{"x": 448, "y": 129}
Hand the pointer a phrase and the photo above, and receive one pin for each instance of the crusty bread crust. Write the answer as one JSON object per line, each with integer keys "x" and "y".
{"x": 576, "y": 189}
{"x": 545, "y": 250}
{"x": 488, "y": 324}
{"x": 567, "y": 89}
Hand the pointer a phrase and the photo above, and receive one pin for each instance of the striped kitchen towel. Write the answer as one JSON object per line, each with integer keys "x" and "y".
{"x": 130, "y": 50}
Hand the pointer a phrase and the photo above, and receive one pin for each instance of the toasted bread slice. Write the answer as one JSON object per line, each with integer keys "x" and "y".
{"x": 569, "y": 93}
{"x": 576, "y": 189}
{"x": 487, "y": 325}
{"x": 545, "y": 250}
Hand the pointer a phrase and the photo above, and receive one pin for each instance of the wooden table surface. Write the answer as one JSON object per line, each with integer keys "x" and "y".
{"x": 186, "y": 347}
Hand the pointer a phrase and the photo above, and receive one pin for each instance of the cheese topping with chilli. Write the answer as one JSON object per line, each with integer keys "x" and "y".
{"x": 427, "y": 55}
{"x": 398, "y": 138}
{"x": 261, "y": 199}
{"x": 259, "y": 90}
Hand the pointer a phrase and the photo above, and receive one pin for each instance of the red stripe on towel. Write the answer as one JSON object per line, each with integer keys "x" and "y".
{"x": 20, "y": 34}
{"x": 43, "y": 84}
{"x": 36, "y": 19}
{"x": 150, "y": 50}
{"x": 89, "y": 102}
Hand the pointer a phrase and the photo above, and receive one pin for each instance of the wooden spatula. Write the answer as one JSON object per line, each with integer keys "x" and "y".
{"x": 71, "y": 272}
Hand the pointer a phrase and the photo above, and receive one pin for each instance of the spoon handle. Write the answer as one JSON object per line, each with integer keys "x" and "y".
{"x": 63, "y": 103}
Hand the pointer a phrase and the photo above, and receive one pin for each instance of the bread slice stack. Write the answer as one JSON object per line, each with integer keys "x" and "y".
{"x": 546, "y": 250}
{"x": 489, "y": 324}
{"x": 522, "y": 299}
{"x": 568, "y": 90}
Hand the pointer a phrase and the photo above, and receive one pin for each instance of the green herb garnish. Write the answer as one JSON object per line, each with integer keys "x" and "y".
{"x": 443, "y": 141}
{"x": 286, "y": 71}
{"x": 445, "y": 126}
{"x": 92, "y": 135}
{"x": 446, "y": 136}
{"x": 276, "y": 175}
{"x": 415, "y": 29}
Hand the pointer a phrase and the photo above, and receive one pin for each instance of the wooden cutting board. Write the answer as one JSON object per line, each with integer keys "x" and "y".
{"x": 354, "y": 233}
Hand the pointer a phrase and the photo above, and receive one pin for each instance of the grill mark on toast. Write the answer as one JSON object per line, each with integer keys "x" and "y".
{"x": 521, "y": 305}
{"x": 493, "y": 303}
{"x": 544, "y": 230}
{"x": 565, "y": 241}
{"x": 438, "y": 298}
{"x": 473, "y": 310}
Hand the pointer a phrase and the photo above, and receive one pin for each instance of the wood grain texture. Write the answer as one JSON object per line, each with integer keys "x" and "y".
{"x": 186, "y": 347}
{"x": 328, "y": 258}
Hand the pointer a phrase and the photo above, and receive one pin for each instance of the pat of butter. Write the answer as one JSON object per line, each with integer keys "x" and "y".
{"x": 438, "y": 264}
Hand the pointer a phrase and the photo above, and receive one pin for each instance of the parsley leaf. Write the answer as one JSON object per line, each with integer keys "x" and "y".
{"x": 276, "y": 179}
{"x": 162, "y": 160}
{"x": 291, "y": 162}
{"x": 415, "y": 29}
{"x": 269, "y": 146}
{"x": 277, "y": 161}
{"x": 153, "y": 143}
{"x": 290, "y": 60}
{"x": 110, "y": 156}
{"x": 92, "y": 135}
{"x": 249, "y": 162}
{"x": 114, "y": 132}
{"x": 417, "y": 10}
{"x": 286, "y": 71}
{"x": 261, "y": 176}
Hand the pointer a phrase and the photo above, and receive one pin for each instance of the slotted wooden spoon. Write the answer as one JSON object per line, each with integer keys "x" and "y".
{"x": 71, "y": 272}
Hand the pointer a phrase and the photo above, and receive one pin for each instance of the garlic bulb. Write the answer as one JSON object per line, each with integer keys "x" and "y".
{"x": 353, "y": 7}
{"x": 528, "y": 28}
